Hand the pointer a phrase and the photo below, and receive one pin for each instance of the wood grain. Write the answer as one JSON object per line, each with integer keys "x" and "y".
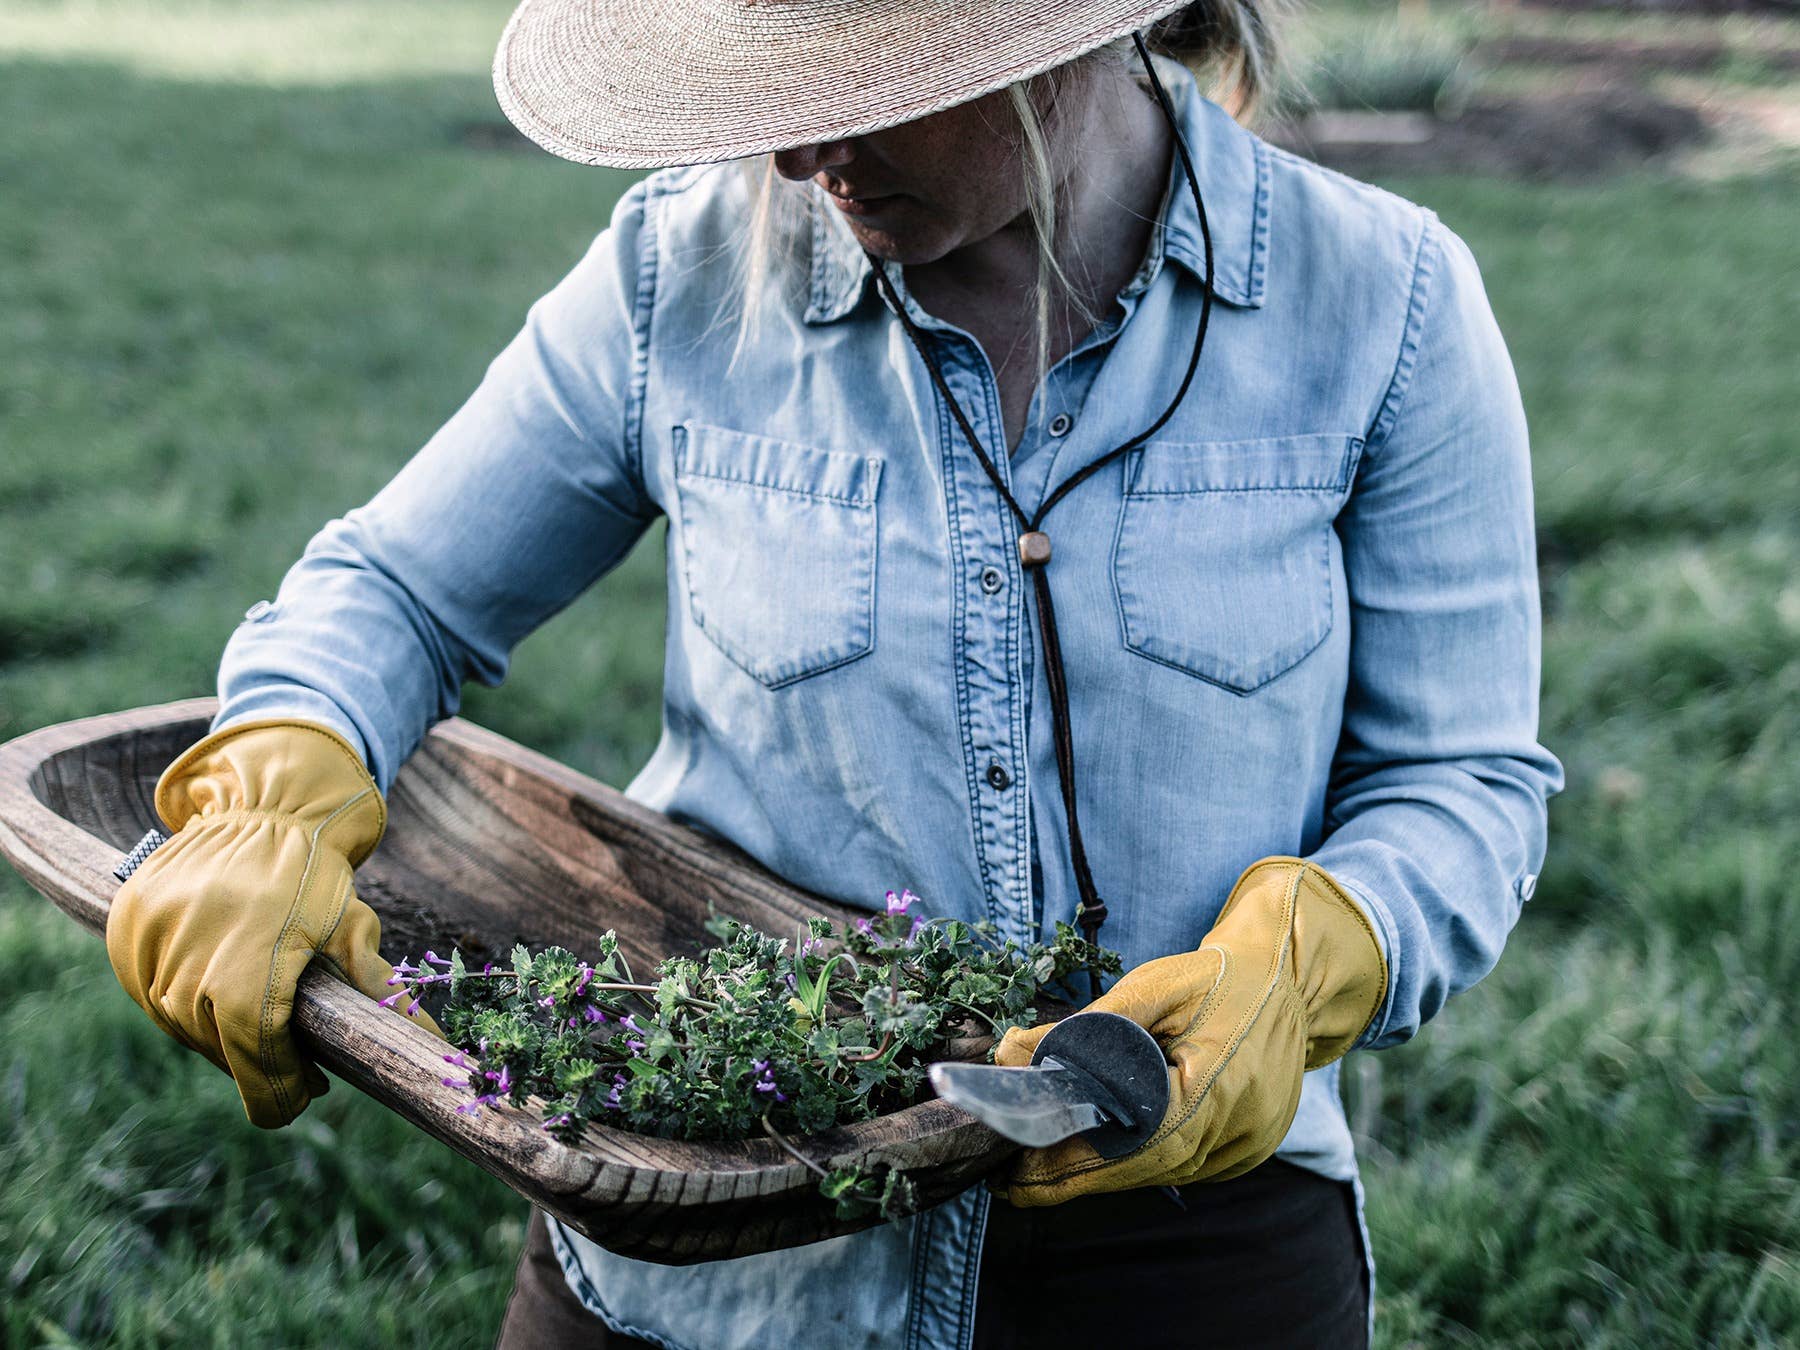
{"x": 489, "y": 844}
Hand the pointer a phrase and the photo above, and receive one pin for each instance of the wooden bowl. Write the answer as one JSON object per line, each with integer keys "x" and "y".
{"x": 489, "y": 844}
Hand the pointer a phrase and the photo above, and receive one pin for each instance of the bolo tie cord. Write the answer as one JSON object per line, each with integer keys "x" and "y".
{"x": 1034, "y": 544}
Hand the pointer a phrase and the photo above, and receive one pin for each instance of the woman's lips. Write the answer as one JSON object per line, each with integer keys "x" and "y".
{"x": 859, "y": 206}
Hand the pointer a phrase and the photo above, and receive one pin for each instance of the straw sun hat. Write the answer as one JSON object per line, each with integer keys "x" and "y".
{"x": 645, "y": 83}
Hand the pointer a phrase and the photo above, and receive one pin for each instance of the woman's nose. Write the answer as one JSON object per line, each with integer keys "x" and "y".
{"x": 805, "y": 161}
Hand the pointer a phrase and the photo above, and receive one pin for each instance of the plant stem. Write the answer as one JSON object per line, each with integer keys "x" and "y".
{"x": 780, "y": 1138}
{"x": 651, "y": 989}
{"x": 887, "y": 1041}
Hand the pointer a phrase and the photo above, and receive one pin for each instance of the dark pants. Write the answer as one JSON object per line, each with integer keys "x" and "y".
{"x": 1273, "y": 1258}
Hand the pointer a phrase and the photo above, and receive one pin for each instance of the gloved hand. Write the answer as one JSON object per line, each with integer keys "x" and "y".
{"x": 212, "y": 931}
{"x": 1286, "y": 981}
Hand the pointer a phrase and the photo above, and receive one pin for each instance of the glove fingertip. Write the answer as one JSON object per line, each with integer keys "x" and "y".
{"x": 1018, "y": 1045}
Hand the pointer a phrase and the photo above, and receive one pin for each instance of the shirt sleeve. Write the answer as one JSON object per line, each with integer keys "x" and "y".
{"x": 531, "y": 491}
{"x": 1435, "y": 814}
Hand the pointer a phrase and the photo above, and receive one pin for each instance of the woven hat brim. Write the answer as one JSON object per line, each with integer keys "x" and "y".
{"x": 644, "y": 84}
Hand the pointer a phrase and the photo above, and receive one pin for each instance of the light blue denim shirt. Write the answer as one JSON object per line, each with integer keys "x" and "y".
{"x": 1302, "y": 620}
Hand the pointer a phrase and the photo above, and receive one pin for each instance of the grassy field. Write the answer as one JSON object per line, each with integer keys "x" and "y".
{"x": 235, "y": 296}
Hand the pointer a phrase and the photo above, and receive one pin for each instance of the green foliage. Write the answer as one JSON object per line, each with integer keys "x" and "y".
{"x": 1391, "y": 67}
{"x": 753, "y": 1034}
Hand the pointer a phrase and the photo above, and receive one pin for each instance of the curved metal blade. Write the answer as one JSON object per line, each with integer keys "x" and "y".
{"x": 1036, "y": 1107}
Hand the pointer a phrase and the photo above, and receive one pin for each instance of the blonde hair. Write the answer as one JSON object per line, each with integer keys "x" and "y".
{"x": 1231, "y": 44}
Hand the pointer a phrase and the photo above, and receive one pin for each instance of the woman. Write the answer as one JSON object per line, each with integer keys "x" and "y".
{"x": 1077, "y": 509}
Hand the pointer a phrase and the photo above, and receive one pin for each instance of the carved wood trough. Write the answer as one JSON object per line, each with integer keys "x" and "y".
{"x": 489, "y": 844}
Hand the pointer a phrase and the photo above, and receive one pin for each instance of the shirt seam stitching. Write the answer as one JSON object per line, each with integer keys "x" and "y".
{"x": 1406, "y": 363}
{"x": 744, "y": 480}
{"x": 643, "y": 308}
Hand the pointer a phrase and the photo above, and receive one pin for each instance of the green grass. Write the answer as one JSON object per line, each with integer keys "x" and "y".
{"x": 236, "y": 298}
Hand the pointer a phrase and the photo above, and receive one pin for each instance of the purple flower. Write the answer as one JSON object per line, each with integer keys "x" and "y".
{"x": 459, "y": 1059}
{"x": 862, "y": 925}
{"x": 547, "y": 1001}
{"x": 488, "y": 969}
{"x": 792, "y": 983}
{"x": 391, "y": 999}
{"x": 474, "y": 1104}
{"x": 405, "y": 968}
{"x": 635, "y": 1046}
{"x": 412, "y": 1007}
{"x": 593, "y": 1014}
{"x": 587, "y": 975}
{"x": 454, "y": 1082}
{"x": 554, "y": 1121}
{"x": 431, "y": 957}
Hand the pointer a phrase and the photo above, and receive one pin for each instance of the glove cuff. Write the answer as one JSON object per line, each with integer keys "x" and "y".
{"x": 1334, "y": 956}
{"x": 279, "y": 767}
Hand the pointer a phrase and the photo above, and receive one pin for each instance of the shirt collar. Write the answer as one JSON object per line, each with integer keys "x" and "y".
{"x": 1233, "y": 169}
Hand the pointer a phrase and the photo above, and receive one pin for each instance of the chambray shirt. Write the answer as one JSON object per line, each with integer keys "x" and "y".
{"x": 1303, "y": 619}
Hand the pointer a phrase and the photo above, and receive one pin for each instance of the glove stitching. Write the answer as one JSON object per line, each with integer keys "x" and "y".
{"x": 1233, "y": 1044}
{"x": 207, "y": 746}
{"x": 1337, "y": 895}
{"x": 277, "y": 958}
{"x": 1245, "y": 1022}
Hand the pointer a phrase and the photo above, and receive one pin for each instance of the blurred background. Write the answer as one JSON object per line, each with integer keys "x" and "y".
{"x": 252, "y": 254}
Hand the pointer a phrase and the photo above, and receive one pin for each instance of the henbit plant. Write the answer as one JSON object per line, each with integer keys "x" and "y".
{"x": 756, "y": 1034}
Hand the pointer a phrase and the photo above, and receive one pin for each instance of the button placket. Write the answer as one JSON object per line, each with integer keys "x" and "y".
{"x": 990, "y": 665}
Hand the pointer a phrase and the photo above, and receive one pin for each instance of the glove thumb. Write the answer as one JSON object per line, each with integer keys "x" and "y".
{"x": 1018, "y": 1046}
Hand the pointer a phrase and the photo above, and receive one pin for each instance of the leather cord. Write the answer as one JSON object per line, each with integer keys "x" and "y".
{"x": 1034, "y": 545}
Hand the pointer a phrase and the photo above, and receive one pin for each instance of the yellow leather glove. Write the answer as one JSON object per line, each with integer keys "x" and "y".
{"x": 1286, "y": 981}
{"x": 212, "y": 931}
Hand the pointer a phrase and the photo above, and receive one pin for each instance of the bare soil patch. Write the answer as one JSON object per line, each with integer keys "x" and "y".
{"x": 1574, "y": 136}
{"x": 1625, "y": 56}
{"x": 1676, "y": 6}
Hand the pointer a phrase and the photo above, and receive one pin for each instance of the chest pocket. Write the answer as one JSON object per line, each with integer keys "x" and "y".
{"x": 1222, "y": 565}
{"x": 777, "y": 550}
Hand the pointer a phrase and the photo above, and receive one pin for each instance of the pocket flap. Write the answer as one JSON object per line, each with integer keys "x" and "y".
{"x": 1313, "y": 463}
{"x": 760, "y": 461}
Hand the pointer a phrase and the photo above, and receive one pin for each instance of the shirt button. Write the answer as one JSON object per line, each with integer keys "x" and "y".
{"x": 997, "y": 777}
{"x": 993, "y": 580}
{"x": 1061, "y": 425}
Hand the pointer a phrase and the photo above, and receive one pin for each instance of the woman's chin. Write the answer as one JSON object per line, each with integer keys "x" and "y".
{"x": 898, "y": 240}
